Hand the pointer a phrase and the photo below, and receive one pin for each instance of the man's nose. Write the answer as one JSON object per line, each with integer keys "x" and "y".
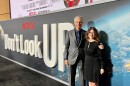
{"x": 78, "y": 23}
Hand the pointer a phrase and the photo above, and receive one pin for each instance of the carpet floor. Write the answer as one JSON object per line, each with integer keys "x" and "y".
{"x": 12, "y": 74}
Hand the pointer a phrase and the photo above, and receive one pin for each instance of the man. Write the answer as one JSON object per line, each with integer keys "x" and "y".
{"x": 74, "y": 53}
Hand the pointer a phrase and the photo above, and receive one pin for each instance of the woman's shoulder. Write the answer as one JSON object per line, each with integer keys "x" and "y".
{"x": 95, "y": 43}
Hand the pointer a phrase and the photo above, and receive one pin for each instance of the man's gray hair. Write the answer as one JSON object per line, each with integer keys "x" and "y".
{"x": 78, "y": 17}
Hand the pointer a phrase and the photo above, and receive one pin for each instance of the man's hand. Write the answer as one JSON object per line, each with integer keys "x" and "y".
{"x": 101, "y": 46}
{"x": 66, "y": 63}
{"x": 101, "y": 71}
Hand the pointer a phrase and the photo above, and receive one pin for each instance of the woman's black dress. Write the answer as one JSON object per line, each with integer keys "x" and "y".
{"x": 93, "y": 62}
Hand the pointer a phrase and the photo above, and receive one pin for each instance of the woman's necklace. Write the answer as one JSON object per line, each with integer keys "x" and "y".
{"x": 88, "y": 44}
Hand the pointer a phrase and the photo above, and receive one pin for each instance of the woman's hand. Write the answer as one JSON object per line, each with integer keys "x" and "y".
{"x": 101, "y": 71}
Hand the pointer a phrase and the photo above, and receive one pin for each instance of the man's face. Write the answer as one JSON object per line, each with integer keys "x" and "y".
{"x": 78, "y": 23}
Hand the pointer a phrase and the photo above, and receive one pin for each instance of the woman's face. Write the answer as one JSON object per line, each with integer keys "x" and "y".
{"x": 91, "y": 34}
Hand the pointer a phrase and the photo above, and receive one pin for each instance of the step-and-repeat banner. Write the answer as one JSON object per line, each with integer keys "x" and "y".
{"x": 34, "y": 7}
{"x": 38, "y": 41}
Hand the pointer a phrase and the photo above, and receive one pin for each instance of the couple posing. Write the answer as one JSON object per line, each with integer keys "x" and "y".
{"x": 82, "y": 52}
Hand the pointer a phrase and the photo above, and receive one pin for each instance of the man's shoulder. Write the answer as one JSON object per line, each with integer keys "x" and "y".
{"x": 74, "y": 30}
{"x": 83, "y": 30}
{"x": 71, "y": 30}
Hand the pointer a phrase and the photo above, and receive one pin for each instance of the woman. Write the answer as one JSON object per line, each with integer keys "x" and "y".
{"x": 93, "y": 65}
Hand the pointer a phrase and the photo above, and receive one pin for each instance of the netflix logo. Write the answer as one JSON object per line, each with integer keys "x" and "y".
{"x": 28, "y": 25}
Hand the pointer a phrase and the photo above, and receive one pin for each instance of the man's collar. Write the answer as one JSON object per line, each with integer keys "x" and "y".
{"x": 78, "y": 30}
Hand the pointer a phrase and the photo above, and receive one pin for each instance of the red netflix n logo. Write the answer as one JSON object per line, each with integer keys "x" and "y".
{"x": 28, "y": 25}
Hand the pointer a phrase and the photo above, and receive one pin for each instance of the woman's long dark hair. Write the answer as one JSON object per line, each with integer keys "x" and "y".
{"x": 96, "y": 35}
